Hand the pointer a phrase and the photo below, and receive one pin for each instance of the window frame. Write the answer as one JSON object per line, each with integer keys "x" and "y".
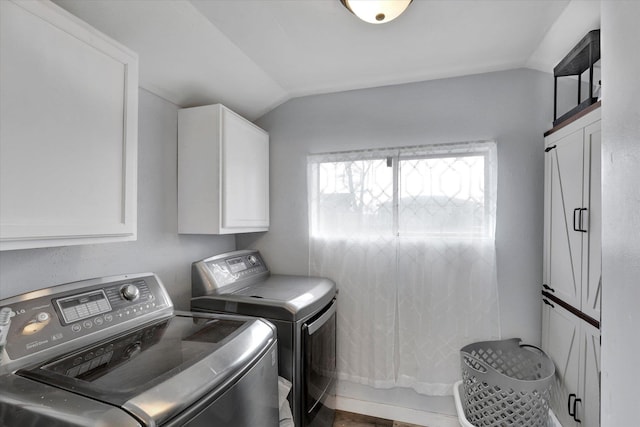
{"x": 394, "y": 156}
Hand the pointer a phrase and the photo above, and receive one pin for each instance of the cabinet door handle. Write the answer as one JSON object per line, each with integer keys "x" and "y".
{"x": 548, "y": 288}
{"x": 548, "y": 303}
{"x": 580, "y": 226}
{"x": 577, "y": 223}
{"x": 575, "y": 410}
{"x": 571, "y": 407}
{"x": 546, "y": 150}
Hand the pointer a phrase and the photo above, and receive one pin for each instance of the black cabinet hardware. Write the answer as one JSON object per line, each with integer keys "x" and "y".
{"x": 590, "y": 320}
{"x": 578, "y": 223}
{"x": 548, "y": 288}
{"x": 580, "y": 226}
{"x": 571, "y": 408}
{"x": 575, "y": 410}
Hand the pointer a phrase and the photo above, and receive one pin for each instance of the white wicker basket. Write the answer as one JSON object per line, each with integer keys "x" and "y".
{"x": 505, "y": 383}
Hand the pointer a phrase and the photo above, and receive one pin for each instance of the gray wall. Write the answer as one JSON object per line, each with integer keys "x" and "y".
{"x": 620, "y": 213}
{"x": 512, "y": 107}
{"x": 159, "y": 248}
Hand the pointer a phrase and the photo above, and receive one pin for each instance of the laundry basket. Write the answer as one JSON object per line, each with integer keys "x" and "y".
{"x": 505, "y": 383}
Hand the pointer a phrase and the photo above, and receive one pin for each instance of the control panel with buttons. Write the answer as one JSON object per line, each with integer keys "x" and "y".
{"x": 227, "y": 273}
{"x": 239, "y": 267}
{"x": 41, "y": 322}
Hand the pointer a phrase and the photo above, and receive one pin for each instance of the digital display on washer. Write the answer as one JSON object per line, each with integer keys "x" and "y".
{"x": 79, "y": 307}
{"x": 236, "y": 264}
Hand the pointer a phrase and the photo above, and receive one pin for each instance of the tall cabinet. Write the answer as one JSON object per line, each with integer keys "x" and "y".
{"x": 572, "y": 278}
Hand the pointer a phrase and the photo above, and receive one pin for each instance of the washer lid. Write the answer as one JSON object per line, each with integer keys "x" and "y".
{"x": 280, "y": 297}
{"x": 157, "y": 371}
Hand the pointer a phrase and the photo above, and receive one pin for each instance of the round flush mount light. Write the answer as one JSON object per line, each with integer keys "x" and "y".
{"x": 376, "y": 11}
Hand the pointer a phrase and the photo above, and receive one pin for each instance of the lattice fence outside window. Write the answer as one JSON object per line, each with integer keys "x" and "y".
{"x": 436, "y": 190}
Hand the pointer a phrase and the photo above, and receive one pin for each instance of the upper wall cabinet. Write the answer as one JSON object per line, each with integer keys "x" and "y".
{"x": 572, "y": 267}
{"x": 572, "y": 270}
{"x": 223, "y": 172}
{"x": 68, "y": 130}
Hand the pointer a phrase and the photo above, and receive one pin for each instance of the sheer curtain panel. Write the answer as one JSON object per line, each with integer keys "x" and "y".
{"x": 408, "y": 236}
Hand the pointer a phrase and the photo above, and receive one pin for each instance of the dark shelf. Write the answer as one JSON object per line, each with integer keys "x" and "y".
{"x": 573, "y": 118}
{"x": 579, "y": 314}
{"x": 580, "y": 59}
{"x": 585, "y": 53}
{"x": 580, "y": 107}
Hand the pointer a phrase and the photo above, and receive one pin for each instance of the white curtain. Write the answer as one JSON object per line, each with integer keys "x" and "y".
{"x": 407, "y": 234}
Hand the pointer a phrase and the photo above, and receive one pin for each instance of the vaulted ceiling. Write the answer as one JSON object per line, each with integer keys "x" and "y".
{"x": 253, "y": 55}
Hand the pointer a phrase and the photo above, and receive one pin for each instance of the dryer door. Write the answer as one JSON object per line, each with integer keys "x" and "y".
{"x": 319, "y": 340}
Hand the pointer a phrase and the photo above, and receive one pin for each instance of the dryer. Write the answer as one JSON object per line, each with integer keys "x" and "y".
{"x": 302, "y": 308}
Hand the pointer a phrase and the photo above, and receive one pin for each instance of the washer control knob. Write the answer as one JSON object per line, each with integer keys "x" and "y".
{"x": 43, "y": 316}
{"x": 130, "y": 292}
{"x": 253, "y": 260}
{"x": 132, "y": 350}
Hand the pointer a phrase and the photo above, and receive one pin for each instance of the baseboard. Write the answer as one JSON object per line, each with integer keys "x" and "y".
{"x": 396, "y": 413}
{"x": 553, "y": 420}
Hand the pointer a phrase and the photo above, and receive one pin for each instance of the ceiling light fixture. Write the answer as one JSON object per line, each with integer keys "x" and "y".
{"x": 376, "y": 11}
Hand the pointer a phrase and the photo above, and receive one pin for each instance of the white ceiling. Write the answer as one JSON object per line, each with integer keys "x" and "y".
{"x": 252, "y": 55}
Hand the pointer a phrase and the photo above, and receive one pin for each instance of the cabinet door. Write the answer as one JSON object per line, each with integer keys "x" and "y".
{"x": 564, "y": 169}
{"x": 245, "y": 174}
{"x": 68, "y": 133}
{"x": 561, "y": 341}
{"x": 592, "y": 246}
{"x": 574, "y": 347}
{"x": 588, "y": 410}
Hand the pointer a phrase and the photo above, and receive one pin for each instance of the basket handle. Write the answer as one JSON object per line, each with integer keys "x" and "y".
{"x": 534, "y": 347}
{"x": 487, "y": 367}
{"x": 482, "y": 363}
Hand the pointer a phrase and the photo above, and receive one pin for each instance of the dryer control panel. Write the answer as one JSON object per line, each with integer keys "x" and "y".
{"x": 227, "y": 273}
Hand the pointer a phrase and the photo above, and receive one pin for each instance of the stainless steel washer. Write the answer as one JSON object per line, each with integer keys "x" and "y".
{"x": 112, "y": 352}
{"x": 302, "y": 308}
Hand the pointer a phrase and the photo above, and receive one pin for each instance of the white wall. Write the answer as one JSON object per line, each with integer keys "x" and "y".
{"x": 512, "y": 107}
{"x": 159, "y": 248}
{"x": 621, "y": 213}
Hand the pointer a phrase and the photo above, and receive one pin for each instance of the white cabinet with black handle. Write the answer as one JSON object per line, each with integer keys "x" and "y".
{"x": 574, "y": 346}
{"x": 572, "y": 256}
{"x": 572, "y": 270}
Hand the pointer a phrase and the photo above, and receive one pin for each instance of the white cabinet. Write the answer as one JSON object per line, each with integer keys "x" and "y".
{"x": 68, "y": 130}
{"x": 572, "y": 256}
{"x": 572, "y": 270}
{"x": 574, "y": 347}
{"x": 223, "y": 172}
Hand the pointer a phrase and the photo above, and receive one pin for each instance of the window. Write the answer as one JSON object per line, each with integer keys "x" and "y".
{"x": 445, "y": 190}
{"x": 407, "y": 235}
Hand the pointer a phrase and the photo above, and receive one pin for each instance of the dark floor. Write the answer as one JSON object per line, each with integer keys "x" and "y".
{"x": 349, "y": 419}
